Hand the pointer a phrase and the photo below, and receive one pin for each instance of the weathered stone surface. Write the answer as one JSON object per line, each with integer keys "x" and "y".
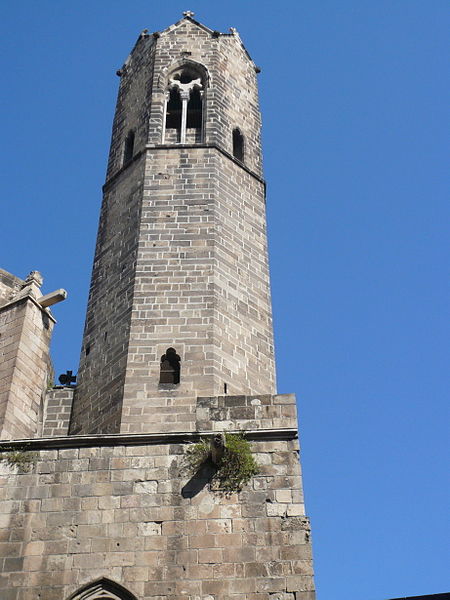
{"x": 57, "y": 409}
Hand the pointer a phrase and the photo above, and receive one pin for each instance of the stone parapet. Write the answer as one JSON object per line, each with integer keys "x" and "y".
{"x": 58, "y": 405}
{"x": 246, "y": 413}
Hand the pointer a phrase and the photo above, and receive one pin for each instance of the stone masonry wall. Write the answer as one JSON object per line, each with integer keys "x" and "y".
{"x": 133, "y": 103}
{"x": 243, "y": 317}
{"x": 58, "y": 406}
{"x": 173, "y": 300}
{"x": 98, "y": 397}
{"x": 10, "y": 285}
{"x": 125, "y": 513}
{"x": 201, "y": 287}
{"x": 246, "y": 413}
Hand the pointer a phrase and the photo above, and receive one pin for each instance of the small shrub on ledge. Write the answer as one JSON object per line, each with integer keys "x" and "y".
{"x": 234, "y": 464}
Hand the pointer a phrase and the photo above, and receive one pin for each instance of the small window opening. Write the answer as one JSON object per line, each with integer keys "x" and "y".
{"x": 238, "y": 145}
{"x": 194, "y": 110}
{"x": 173, "y": 116}
{"x": 225, "y": 388}
{"x": 129, "y": 148}
{"x": 88, "y": 350}
{"x": 170, "y": 367}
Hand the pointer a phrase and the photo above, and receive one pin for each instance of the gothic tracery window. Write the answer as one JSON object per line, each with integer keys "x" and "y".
{"x": 183, "y": 120}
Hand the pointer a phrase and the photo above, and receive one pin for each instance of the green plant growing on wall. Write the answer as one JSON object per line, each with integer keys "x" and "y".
{"x": 234, "y": 469}
{"x": 22, "y": 459}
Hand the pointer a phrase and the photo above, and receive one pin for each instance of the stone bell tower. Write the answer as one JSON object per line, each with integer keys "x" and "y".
{"x": 181, "y": 256}
{"x": 177, "y": 348}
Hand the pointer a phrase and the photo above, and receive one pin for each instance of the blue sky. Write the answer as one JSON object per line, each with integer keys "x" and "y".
{"x": 353, "y": 95}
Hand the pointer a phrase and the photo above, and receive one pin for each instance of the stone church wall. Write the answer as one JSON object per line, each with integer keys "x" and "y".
{"x": 124, "y": 512}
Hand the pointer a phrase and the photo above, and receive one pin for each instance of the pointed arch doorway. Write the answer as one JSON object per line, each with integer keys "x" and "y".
{"x": 102, "y": 589}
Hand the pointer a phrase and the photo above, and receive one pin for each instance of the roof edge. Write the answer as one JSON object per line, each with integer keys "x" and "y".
{"x": 213, "y": 32}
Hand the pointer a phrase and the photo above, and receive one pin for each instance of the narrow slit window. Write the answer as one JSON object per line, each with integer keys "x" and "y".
{"x": 170, "y": 367}
{"x": 194, "y": 110}
{"x": 238, "y": 145}
{"x": 173, "y": 115}
{"x": 129, "y": 148}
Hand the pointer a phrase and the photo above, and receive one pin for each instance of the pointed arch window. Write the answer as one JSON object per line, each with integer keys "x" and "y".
{"x": 238, "y": 144}
{"x": 102, "y": 589}
{"x": 170, "y": 367}
{"x": 184, "y": 106}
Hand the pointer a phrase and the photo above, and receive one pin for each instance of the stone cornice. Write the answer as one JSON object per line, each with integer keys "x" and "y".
{"x": 213, "y": 146}
{"x": 138, "y": 439}
{"x": 116, "y": 175}
{"x": 23, "y": 299}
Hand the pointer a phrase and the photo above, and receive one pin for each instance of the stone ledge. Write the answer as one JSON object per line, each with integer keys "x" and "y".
{"x": 207, "y": 145}
{"x": 137, "y": 439}
{"x": 22, "y": 300}
{"x": 117, "y": 174}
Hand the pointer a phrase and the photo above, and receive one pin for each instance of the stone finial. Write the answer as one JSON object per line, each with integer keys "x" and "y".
{"x": 144, "y": 33}
{"x": 188, "y": 13}
{"x": 233, "y": 30}
{"x": 34, "y": 277}
{"x": 31, "y": 286}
